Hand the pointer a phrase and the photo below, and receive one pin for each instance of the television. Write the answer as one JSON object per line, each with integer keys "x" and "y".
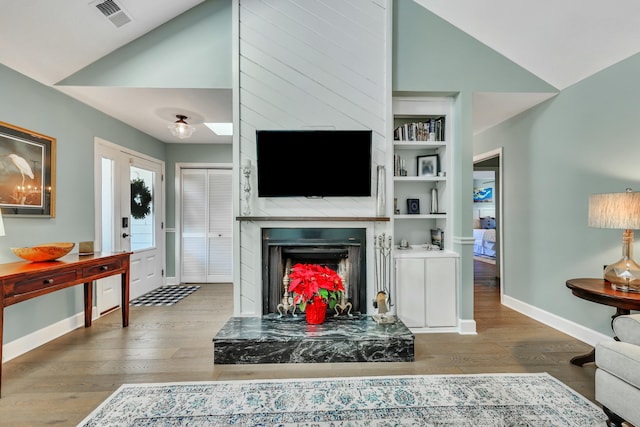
{"x": 314, "y": 163}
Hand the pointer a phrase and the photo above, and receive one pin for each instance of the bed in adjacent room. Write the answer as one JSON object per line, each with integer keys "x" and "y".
{"x": 484, "y": 235}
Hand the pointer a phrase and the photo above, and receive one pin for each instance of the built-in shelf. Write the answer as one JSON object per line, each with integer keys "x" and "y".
{"x": 419, "y": 178}
{"x": 441, "y": 215}
{"x": 315, "y": 218}
{"x": 412, "y": 145}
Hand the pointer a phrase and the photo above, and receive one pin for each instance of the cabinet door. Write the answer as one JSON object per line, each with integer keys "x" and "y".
{"x": 441, "y": 292}
{"x": 410, "y": 277}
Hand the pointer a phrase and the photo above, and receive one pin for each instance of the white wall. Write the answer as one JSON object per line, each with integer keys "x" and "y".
{"x": 305, "y": 65}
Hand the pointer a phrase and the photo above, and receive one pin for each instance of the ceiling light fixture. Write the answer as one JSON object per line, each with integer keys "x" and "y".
{"x": 181, "y": 128}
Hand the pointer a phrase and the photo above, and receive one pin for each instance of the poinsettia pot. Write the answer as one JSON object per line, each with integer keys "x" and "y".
{"x": 316, "y": 310}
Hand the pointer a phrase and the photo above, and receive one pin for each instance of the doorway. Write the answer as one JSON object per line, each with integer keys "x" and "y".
{"x": 129, "y": 216}
{"x": 487, "y": 217}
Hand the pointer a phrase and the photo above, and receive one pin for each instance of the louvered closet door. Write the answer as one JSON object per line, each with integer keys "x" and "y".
{"x": 219, "y": 260}
{"x": 206, "y": 250}
{"x": 194, "y": 225}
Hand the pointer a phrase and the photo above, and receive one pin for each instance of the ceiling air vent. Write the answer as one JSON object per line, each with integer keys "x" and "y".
{"x": 116, "y": 15}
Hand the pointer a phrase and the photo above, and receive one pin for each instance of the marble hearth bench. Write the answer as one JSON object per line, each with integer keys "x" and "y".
{"x": 269, "y": 339}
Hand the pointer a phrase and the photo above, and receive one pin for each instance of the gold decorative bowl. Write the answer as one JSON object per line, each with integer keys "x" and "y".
{"x": 44, "y": 252}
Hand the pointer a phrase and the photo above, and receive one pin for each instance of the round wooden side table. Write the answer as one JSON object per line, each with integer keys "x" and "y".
{"x": 600, "y": 291}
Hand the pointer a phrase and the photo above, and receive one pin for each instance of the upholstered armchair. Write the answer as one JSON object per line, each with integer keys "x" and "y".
{"x": 618, "y": 372}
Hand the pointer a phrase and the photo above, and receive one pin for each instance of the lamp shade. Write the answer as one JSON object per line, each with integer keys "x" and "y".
{"x": 615, "y": 210}
{"x": 622, "y": 211}
{"x": 1, "y": 225}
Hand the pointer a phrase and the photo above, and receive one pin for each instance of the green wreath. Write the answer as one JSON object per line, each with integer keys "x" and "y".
{"x": 140, "y": 199}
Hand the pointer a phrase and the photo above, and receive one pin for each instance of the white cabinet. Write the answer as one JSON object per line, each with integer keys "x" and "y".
{"x": 426, "y": 288}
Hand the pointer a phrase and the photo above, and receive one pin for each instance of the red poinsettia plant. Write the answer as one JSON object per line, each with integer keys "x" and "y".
{"x": 311, "y": 280}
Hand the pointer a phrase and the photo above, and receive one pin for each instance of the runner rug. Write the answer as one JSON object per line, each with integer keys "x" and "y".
{"x": 164, "y": 296}
{"x": 428, "y": 400}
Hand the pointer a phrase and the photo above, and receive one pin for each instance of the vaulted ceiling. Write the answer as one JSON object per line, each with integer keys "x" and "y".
{"x": 559, "y": 41}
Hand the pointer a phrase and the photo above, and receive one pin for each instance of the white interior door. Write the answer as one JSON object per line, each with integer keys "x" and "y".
{"x": 207, "y": 226}
{"x": 116, "y": 228}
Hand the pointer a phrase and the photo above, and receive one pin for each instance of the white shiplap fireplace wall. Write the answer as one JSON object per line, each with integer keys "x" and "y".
{"x": 309, "y": 65}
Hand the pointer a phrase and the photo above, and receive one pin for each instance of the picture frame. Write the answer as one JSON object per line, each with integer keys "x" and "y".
{"x": 428, "y": 166}
{"x": 27, "y": 172}
{"x": 413, "y": 206}
{"x": 483, "y": 195}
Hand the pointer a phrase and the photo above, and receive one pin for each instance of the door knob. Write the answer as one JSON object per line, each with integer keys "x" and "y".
{"x": 125, "y": 235}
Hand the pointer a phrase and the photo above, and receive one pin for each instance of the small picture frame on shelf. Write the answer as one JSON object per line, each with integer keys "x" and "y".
{"x": 413, "y": 206}
{"x": 428, "y": 165}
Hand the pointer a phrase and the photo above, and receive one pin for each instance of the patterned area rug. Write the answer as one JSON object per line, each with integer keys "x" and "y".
{"x": 428, "y": 400}
{"x": 164, "y": 295}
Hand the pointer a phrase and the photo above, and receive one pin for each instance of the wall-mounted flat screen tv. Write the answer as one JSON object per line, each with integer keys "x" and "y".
{"x": 314, "y": 163}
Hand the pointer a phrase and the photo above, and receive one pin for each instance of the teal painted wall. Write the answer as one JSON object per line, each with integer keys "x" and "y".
{"x": 192, "y": 50}
{"x": 186, "y": 153}
{"x": 33, "y": 106}
{"x": 583, "y": 141}
{"x": 430, "y": 56}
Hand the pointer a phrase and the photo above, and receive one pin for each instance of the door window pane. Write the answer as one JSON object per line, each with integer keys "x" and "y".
{"x": 142, "y": 222}
{"x": 107, "y": 206}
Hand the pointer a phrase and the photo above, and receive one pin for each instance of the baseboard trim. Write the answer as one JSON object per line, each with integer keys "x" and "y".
{"x": 435, "y": 330}
{"x": 465, "y": 327}
{"x": 468, "y": 327}
{"x": 20, "y": 346}
{"x": 561, "y": 324}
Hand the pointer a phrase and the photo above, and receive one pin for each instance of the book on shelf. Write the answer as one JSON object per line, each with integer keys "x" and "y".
{"x": 399, "y": 166}
{"x": 428, "y": 130}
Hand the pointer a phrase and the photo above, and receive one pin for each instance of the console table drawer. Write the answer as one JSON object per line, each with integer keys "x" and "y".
{"x": 100, "y": 270}
{"x": 39, "y": 282}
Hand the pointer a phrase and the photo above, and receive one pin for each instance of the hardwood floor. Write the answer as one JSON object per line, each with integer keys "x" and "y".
{"x": 62, "y": 381}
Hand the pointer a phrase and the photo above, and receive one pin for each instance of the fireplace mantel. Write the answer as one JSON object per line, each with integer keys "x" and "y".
{"x": 315, "y": 218}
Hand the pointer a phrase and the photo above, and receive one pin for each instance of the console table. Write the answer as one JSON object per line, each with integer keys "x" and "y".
{"x": 21, "y": 281}
{"x": 601, "y": 292}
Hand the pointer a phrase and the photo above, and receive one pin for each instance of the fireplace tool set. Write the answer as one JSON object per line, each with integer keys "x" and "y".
{"x": 382, "y": 270}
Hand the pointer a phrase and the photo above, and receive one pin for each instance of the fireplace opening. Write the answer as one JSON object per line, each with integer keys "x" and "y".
{"x": 340, "y": 249}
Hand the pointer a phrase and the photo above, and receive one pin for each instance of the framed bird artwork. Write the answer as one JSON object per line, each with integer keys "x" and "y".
{"x": 27, "y": 172}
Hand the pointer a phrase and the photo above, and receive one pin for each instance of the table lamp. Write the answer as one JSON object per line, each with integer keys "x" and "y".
{"x": 619, "y": 211}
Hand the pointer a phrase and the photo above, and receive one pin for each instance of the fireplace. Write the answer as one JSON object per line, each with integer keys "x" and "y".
{"x": 332, "y": 247}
